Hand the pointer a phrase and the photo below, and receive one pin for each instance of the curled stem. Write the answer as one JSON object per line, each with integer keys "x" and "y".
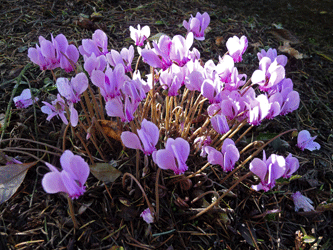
{"x": 152, "y": 210}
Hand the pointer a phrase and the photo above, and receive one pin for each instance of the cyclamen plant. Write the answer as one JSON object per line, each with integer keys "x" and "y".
{"x": 156, "y": 112}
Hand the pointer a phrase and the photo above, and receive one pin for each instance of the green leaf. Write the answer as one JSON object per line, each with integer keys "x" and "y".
{"x": 309, "y": 239}
{"x": 11, "y": 177}
{"x": 105, "y": 172}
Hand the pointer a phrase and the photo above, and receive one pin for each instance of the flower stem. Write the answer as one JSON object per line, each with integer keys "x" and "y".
{"x": 71, "y": 211}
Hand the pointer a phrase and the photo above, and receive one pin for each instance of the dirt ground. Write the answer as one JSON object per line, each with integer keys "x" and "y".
{"x": 32, "y": 219}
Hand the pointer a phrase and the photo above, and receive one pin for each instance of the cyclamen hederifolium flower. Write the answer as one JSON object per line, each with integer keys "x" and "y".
{"x": 197, "y": 25}
{"x": 268, "y": 170}
{"x": 71, "y": 179}
{"x": 54, "y": 53}
{"x": 147, "y": 216}
{"x": 24, "y": 100}
{"x": 302, "y": 202}
{"x": 305, "y": 141}
{"x": 146, "y": 139}
{"x": 168, "y": 51}
{"x": 174, "y": 156}
{"x": 97, "y": 45}
{"x": 236, "y": 47}
{"x": 57, "y": 108}
{"x": 139, "y": 35}
{"x": 72, "y": 90}
{"x": 125, "y": 58}
{"x": 227, "y": 158}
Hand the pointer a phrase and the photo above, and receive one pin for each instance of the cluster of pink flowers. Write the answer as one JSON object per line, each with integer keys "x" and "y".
{"x": 177, "y": 64}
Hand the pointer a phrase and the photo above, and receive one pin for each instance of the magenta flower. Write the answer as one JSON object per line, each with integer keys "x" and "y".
{"x": 174, "y": 155}
{"x": 258, "y": 109}
{"x": 172, "y": 80}
{"x": 305, "y": 141}
{"x": 57, "y": 108}
{"x": 139, "y": 35}
{"x": 55, "y": 53}
{"x": 72, "y": 90}
{"x": 292, "y": 164}
{"x": 71, "y": 179}
{"x": 268, "y": 170}
{"x": 110, "y": 82}
{"x": 125, "y": 58}
{"x": 97, "y": 45}
{"x": 94, "y": 63}
{"x": 168, "y": 51}
{"x": 302, "y": 202}
{"x": 220, "y": 123}
{"x": 269, "y": 74}
{"x": 272, "y": 54}
{"x": 227, "y": 158}
{"x": 124, "y": 109}
{"x": 147, "y": 216}
{"x": 146, "y": 139}
{"x": 197, "y": 25}
{"x": 24, "y": 100}
{"x": 236, "y": 47}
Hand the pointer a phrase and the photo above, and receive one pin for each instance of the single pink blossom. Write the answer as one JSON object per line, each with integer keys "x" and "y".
{"x": 146, "y": 139}
{"x": 71, "y": 179}
{"x": 147, "y": 216}
{"x": 174, "y": 156}
{"x": 139, "y": 35}
{"x": 24, "y": 100}
{"x": 57, "y": 108}
{"x": 305, "y": 141}
{"x": 197, "y": 25}
{"x": 236, "y": 47}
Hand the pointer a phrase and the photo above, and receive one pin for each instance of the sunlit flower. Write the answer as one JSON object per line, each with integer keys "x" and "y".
{"x": 197, "y": 25}
{"x": 268, "y": 170}
{"x": 236, "y": 47}
{"x": 174, "y": 156}
{"x": 146, "y": 139}
{"x": 71, "y": 179}
{"x": 139, "y": 35}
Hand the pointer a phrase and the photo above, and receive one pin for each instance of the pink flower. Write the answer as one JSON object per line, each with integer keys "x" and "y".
{"x": 125, "y": 58}
{"x": 305, "y": 141}
{"x": 302, "y": 202}
{"x": 228, "y": 156}
{"x": 197, "y": 25}
{"x": 24, "y": 100}
{"x": 268, "y": 170}
{"x": 174, "y": 155}
{"x": 147, "y": 136}
{"x": 236, "y": 47}
{"x": 54, "y": 53}
{"x": 72, "y": 90}
{"x": 220, "y": 123}
{"x": 71, "y": 179}
{"x": 147, "y": 216}
{"x": 139, "y": 35}
{"x": 57, "y": 108}
{"x": 97, "y": 45}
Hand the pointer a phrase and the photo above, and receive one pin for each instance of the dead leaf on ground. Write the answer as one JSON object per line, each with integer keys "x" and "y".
{"x": 11, "y": 177}
{"x": 291, "y": 51}
{"x": 283, "y": 35}
{"x": 111, "y": 129}
{"x": 105, "y": 172}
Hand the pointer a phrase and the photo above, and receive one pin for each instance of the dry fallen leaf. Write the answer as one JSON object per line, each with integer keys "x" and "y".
{"x": 219, "y": 40}
{"x": 111, "y": 129}
{"x": 291, "y": 51}
{"x": 11, "y": 177}
{"x": 105, "y": 172}
{"x": 283, "y": 35}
